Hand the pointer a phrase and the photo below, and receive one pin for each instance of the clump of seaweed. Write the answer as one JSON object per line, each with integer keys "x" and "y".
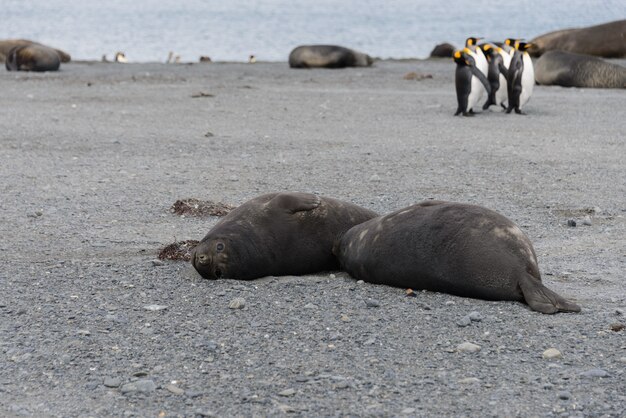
{"x": 179, "y": 250}
{"x": 197, "y": 207}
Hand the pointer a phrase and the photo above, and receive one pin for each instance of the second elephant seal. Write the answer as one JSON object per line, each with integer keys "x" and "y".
{"x": 277, "y": 234}
{"x": 327, "y": 56}
{"x": 566, "y": 69}
{"x": 461, "y": 249}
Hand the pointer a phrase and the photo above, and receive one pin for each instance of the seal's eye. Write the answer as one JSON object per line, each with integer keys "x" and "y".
{"x": 219, "y": 247}
{"x": 218, "y": 273}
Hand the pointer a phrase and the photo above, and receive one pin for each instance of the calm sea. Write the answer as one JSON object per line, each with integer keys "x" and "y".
{"x": 231, "y": 30}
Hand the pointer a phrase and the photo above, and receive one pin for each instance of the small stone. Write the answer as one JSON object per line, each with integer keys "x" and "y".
{"x": 142, "y": 386}
{"x": 565, "y": 395}
{"x": 469, "y": 380}
{"x": 341, "y": 385}
{"x": 112, "y": 382}
{"x": 551, "y": 353}
{"x": 372, "y": 303}
{"x": 154, "y": 307}
{"x": 374, "y": 177}
{"x": 571, "y": 222}
{"x": 407, "y": 411}
{"x": 332, "y": 276}
{"x": 157, "y": 262}
{"x": 237, "y": 303}
{"x": 622, "y": 360}
{"x": 360, "y": 282}
{"x": 450, "y": 303}
{"x": 595, "y": 373}
{"x": 468, "y": 347}
{"x": 84, "y": 332}
{"x": 475, "y": 316}
{"x": 287, "y": 392}
{"x": 345, "y": 318}
{"x": 174, "y": 389}
{"x": 617, "y": 327}
{"x": 619, "y": 311}
{"x": 310, "y": 306}
{"x": 464, "y": 322}
{"x": 370, "y": 341}
{"x": 38, "y": 213}
{"x": 587, "y": 220}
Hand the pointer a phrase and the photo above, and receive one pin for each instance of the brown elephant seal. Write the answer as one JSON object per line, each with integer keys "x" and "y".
{"x": 32, "y": 58}
{"x": 607, "y": 40}
{"x": 444, "y": 50}
{"x": 276, "y": 234}
{"x": 455, "y": 248}
{"x": 566, "y": 69}
{"x": 8, "y": 44}
{"x": 327, "y": 56}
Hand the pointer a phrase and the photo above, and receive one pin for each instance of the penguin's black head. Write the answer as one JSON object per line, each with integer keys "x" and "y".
{"x": 512, "y": 42}
{"x": 472, "y": 41}
{"x": 488, "y": 49}
{"x": 523, "y": 46}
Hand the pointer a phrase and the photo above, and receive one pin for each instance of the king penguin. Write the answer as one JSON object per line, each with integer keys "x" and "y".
{"x": 479, "y": 58}
{"x": 520, "y": 78}
{"x": 498, "y": 66}
{"x": 469, "y": 82}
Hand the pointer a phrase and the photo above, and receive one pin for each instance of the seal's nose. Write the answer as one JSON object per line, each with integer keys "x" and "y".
{"x": 202, "y": 258}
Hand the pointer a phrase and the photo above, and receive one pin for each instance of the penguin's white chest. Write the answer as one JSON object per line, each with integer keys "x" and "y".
{"x": 476, "y": 93}
{"x": 528, "y": 80}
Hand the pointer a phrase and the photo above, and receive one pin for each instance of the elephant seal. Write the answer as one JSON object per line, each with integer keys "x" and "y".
{"x": 455, "y": 248}
{"x": 32, "y": 58}
{"x": 276, "y": 234}
{"x": 566, "y": 69}
{"x": 8, "y": 44}
{"x": 607, "y": 40}
{"x": 327, "y": 56}
{"x": 444, "y": 50}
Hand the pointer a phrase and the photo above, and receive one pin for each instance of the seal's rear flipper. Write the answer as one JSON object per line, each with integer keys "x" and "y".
{"x": 542, "y": 299}
{"x": 295, "y": 202}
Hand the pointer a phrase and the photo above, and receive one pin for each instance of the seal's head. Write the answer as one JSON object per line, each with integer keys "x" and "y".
{"x": 213, "y": 257}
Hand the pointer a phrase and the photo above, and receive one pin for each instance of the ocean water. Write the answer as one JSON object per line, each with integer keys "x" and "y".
{"x": 231, "y": 30}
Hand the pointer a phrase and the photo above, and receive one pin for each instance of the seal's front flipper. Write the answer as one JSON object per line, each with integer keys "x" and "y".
{"x": 295, "y": 202}
{"x": 542, "y": 299}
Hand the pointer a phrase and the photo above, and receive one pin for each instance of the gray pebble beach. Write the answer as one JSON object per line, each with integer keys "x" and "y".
{"x": 91, "y": 324}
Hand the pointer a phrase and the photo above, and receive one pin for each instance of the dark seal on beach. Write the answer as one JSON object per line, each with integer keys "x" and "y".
{"x": 565, "y": 69}
{"x": 455, "y": 248}
{"x": 444, "y": 50}
{"x": 607, "y": 40}
{"x": 327, "y": 56}
{"x": 276, "y": 234}
{"x": 8, "y": 44}
{"x": 32, "y": 57}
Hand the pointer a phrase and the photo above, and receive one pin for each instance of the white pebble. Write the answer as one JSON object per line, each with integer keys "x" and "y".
{"x": 468, "y": 347}
{"x": 552, "y": 353}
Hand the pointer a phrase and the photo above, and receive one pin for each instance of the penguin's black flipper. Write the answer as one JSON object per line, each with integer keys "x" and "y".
{"x": 490, "y": 100}
{"x": 502, "y": 69}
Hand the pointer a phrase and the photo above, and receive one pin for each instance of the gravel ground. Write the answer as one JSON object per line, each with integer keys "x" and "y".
{"x": 92, "y": 324}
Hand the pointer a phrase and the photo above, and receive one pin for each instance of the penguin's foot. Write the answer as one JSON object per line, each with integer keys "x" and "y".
{"x": 508, "y": 110}
{"x": 519, "y": 112}
{"x": 503, "y": 106}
